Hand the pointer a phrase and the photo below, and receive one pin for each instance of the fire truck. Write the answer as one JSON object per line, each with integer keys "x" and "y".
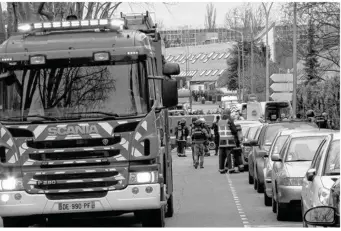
{"x": 84, "y": 127}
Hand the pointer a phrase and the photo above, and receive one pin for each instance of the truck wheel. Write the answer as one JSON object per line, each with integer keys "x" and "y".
{"x": 15, "y": 222}
{"x": 154, "y": 218}
{"x": 170, "y": 207}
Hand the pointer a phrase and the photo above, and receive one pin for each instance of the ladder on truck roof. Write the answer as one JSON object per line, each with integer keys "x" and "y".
{"x": 141, "y": 22}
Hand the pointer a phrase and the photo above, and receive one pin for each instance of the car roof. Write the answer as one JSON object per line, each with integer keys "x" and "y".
{"x": 287, "y": 132}
{"x": 247, "y": 122}
{"x": 310, "y": 133}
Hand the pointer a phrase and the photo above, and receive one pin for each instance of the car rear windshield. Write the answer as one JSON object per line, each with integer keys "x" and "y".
{"x": 303, "y": 148}
{"x": 332, "y": 166}
{"x": 271, "y": 131}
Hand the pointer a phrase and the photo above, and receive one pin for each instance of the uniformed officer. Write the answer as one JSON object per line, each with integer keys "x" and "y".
{"x": 191, "y": 131}
{"x": 199, "y": 137}
{"x": 228, "y": 137}
{"x": 181, "y": 133}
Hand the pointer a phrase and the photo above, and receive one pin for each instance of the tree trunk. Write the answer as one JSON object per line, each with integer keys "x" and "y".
{"x": 91, "y": 7}
{"x": 2, "y": 27}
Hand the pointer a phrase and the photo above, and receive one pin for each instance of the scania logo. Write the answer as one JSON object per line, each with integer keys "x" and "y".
{"x": 72, "y": 130}
{"x": 105, "y": 141}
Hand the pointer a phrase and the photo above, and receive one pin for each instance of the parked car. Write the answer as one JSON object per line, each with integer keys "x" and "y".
{"x": 275, "y": 148}
{"x": 252, "y": 135}
{"x": 322, "y": 174}
{"x": 289, "y": 168}
{"x": 261, "y": 147}
{"x": 250, "y": 132}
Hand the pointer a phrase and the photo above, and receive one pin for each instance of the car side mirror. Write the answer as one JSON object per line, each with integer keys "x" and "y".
{"x": 263, "y": 154}
{"x": 171, "y": 69}
{"x": 276, "y": 157}
{"x": 310, "y": 174}
{"x": 246, "y": 143}
{"x": 253, "y": 142}
{"x": 169, "y": 93}
{"x": 320, "y": 216}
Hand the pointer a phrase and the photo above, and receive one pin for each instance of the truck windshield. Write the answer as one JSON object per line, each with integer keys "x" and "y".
{"x": 74, "y": 92}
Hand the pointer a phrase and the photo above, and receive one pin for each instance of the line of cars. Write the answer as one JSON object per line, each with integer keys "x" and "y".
{"x": 296, "y": 166}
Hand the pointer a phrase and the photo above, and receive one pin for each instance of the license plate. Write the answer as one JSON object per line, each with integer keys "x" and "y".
{"x": 76, "y": 206}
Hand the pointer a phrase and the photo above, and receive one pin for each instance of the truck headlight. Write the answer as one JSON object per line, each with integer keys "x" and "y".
{"x": 143, "y": 177}
{"x": 11, "y": 184}
{"x": 323, "y": 195}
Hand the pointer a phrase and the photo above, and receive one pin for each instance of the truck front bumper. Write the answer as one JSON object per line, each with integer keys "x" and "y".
{"x": 120, "y": 200}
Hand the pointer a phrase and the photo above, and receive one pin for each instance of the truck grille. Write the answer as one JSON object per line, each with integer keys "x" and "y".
{"x": 75, "y": 143}
{"x": 77, "y": 180}
{"x": 74, "y": 155}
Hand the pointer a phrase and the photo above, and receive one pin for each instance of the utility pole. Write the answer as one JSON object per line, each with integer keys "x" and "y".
{"x": 251, "y": 77}
{"x": 294, "y": 63}
{"x": 267, "y": 12}
{"x": 240, "y": 92}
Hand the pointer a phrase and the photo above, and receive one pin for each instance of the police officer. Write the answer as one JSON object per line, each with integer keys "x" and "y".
{"x": 191, "y": 131}
{"x": 181, "y": 133}
{"x": 199, "y": 137}
{"x": 228, "y": 137}
{"x": 206, "y": 150}
{"x": 216, "y": 134}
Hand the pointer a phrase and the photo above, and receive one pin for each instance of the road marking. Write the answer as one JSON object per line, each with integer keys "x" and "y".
{"x": 237, "y": 202}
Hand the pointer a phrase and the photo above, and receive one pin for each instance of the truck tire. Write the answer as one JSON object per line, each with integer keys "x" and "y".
{"x": 170, "y": 207}
{"x": 154, "y": 218}
{"x": 15, "y": 222}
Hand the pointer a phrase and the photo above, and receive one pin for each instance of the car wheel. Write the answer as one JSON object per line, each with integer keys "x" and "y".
{"x": 170, "y": 207}
{"x": 255, "y": 184}
{"x": 154, "y": 217}
{"x": 274, "y": 206}
{"x": 246, "y": 167}
{"x": 267, "y": 200}
{"x": 260, "y": 188}
{"x": 302, "y": 212}
{"x": 281, "y": 211}
{"x": 250, "y": 178}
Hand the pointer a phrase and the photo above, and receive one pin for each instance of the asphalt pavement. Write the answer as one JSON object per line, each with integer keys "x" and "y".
{"x": 204, "y": 198}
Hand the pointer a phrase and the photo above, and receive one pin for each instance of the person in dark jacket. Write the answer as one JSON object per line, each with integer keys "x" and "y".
{"x": 216, "y": 134}
{"x": 191, "y": 131}
{"x": 181, "y": 133}
{"x": 199, "y": 137}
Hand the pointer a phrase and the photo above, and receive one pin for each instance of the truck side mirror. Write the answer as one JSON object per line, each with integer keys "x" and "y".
{"x": 169, "y": 93}
{"x": 171, "y": 69}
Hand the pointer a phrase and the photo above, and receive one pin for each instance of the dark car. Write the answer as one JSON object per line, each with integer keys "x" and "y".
{"x": 261, "y": 147}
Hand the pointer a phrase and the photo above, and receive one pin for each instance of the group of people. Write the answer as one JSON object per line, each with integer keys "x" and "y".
{"x": 200, "y": 134}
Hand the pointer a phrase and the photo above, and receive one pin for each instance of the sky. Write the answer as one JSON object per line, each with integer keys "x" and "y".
{"x": 182, "y": 13}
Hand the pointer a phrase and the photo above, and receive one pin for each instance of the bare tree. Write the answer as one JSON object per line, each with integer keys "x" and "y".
{"x": 210, "y": 17}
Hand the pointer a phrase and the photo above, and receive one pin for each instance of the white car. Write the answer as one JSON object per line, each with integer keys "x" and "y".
{"x": 322, "y": 174}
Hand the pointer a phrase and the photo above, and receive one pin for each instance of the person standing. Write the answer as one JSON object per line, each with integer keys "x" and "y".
{"x": 181, "y": 133}
{"x": 216, "y": 134}
{"x": 191, "y": 132}
{"x": 199, "y": 136}
{"x": 228, "y": 136}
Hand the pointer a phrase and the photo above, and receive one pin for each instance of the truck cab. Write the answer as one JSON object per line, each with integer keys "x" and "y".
{"x": 84, "y": 121}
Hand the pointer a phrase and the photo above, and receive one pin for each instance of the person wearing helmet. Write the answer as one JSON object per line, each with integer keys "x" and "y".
{"x": 181, "y": 133}
{"x": 199, "y": 136}
{"x": 228, "y": 141}
{"x": 194, "y": 119}
{"x": 310, "y": 116}
{"x": 204, "y": 125}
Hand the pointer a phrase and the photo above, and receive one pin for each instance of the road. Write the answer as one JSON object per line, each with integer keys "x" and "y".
{"x": 205, "y": 198}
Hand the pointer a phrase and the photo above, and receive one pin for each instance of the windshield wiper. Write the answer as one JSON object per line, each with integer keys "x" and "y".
{"x": 38, "y": 116}
{"x": 296, "y": 160}
{"x": 94, "y": 112}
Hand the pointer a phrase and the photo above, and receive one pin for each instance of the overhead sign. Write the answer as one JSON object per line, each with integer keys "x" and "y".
{"x": 281, "y": 96}
{"x": 282, "y": 78}
{"x": 280, "y": 87}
